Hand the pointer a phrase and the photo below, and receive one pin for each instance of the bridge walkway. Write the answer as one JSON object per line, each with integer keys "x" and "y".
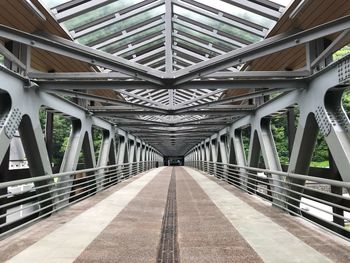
{"x": 173, "y": 215}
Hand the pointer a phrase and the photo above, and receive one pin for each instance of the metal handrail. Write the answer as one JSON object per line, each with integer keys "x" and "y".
{"x": 283, "y": 192}
{"x": 56, "y": 195}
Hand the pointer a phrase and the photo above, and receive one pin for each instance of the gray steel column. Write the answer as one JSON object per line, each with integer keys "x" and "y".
{"x": 303, "y": 148}
{"x": 207, "y": 153}
{"x": 4, "y": 172}
{"x": 271, "y": 160}
{"x": 104, "y": 156}
{"x": 36, "y": 154}
{"x": 223, "y": 155}
{"x": 49, "y": 133}
{"x": 253, "y": 158}
{"x": 239, "y": 154}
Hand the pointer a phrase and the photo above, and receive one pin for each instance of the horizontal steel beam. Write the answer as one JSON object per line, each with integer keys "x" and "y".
{"x": 117, "y": 17}
{"x": 94, "y": 84}
{"x": 207, "y": 124}
{"x": 96, "y": 98}
{"x": 243, "y": 84}
{"x": 260, "y": 49}
{"x": 250, "y": 95}
{"x": 215, "y": 14}
{"x": 258, "y": 9}
{"x": 248, "y": 83}
{"x": 119, "y": 113}
{"x": 73, "y": 50}
{"x": 125, "y": 34}
{"x": 78, "y": 76}
{"x": 70, "y": 76}
{"x": 258, "y": 74}
{"x": 80, "y": 9}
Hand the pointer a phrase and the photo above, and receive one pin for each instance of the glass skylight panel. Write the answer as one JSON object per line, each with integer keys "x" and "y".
{"x": 238, "y": 12}
{"x": 122, "y": 25}
{"x": 152, "y": 45}
{"x": 133, "y": 38}
{"x": 204, "y": 37}
{"x": 216, "y": 24}
{"x": 194, "y": 48}
{"x": 282, "y": 2}
{"x": 201, "y": 29}
{"x": 53, "y": 3}
{"x": 99, "y": 13}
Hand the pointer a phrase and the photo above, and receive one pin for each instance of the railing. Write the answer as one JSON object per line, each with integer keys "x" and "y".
{"x": 318, "y": 200}
{"x": 22, "y": 202}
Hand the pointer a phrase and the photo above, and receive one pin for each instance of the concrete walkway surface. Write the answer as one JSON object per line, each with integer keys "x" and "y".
{"x": 214, "y": 222}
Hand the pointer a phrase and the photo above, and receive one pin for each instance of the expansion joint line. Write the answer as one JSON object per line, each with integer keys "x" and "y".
{"x": 168, "y": 250}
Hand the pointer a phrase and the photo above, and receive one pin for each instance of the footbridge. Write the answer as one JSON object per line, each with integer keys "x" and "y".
{"x": 174, "y": 131}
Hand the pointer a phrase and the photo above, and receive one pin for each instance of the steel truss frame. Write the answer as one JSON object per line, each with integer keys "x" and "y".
{"x": 320, "y": 110}
{"x": 172, "y": 95}
{"x": 181, "y": 98}
{"x": 22, "y": 114}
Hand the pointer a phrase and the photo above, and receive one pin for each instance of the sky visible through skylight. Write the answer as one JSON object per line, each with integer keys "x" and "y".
{"x": 53, "y": 3}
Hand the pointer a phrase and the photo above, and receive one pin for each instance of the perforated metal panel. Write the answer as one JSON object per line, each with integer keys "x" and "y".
{"x": 322, "y": 121}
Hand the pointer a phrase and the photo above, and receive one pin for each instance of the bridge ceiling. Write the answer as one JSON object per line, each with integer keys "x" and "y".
{"x": 145, "y": 31}
{"x": 160, "y": 40}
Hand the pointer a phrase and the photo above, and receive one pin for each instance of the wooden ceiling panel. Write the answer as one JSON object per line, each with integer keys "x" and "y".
{"x": 16, "y": 14}
{"x": 315, "y": 12}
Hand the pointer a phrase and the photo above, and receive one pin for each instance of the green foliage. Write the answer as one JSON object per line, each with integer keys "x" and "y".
{"x": 61, "y": 132}
{"x": 346, "y": 101}
{"x": 324, "y": 164}
{"x": 341, "y": 53}
{"x": 246, "y": 140}
{"x": 320, "y": 155}
{"x": 347, "y": 226}
{"x": 279, "y": 131}
{"x": 97, "y": 137}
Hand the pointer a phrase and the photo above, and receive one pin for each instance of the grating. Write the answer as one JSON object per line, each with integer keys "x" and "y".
{"x": 168, "y": 247}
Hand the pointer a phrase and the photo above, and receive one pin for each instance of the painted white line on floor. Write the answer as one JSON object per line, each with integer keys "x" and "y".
{"x": 66, "y": 243}
{"x": 272, "y": 242}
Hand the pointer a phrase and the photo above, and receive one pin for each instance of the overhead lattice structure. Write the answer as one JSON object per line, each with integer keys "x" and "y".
{"x": 168, "y": 36}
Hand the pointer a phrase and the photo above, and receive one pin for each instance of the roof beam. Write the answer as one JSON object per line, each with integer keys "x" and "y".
{"x": 142, "y": 98}
{"x": 244, "y": 84}
{"x": 73, "y": 50}
{"x": 148, "y": 54}
{"x": 119, "y": 113}
{"x": 126, "y": 34}
{"x": 121, "y": 85}
{"x": 247, "y": 96}
{"x": 218, "y": 16}
{"x": 332, "y": 47}
{"x": 212, "y": 33}
{"x": 257, "y": 9}
{"x": 208, "y": 47}
{"x": 80, "y": 9}
{"x": 92, "y": 97}
{"x": 117, "y": 17}
{"x": 168, "y": 36}
{"x": 94, "y": 84}
{"x": 259, "y": 74}
{"x": 260, "y": 49}
{"x": 132, "y": 47}
{"x": 119, "y": 76}
{"x": 190, "y": 53}
{"x": 158, "y": 124}
{"x": 77, "y": 76}
{"x": 178, "y": 106}
{"x": 152, "y": 62}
